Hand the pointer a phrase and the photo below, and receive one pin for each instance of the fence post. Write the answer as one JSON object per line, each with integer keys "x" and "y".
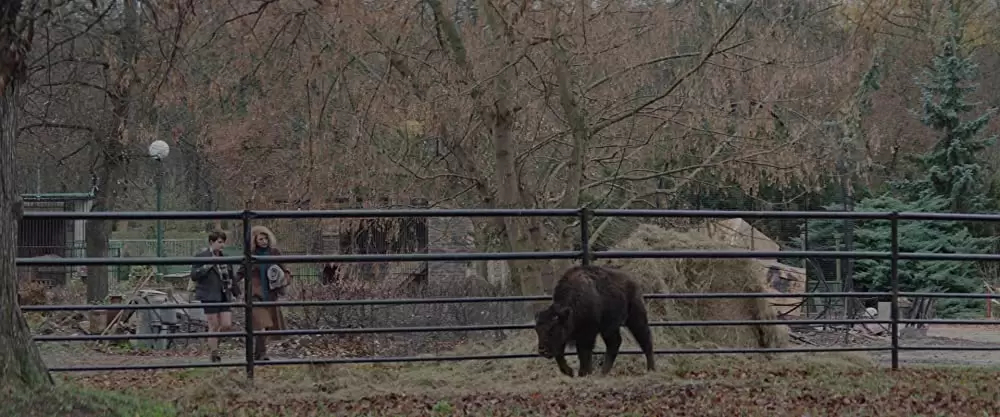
{"x": 894, "y": 279}
{"x": 585, "y": 235}
{"x": 248, "y": 295}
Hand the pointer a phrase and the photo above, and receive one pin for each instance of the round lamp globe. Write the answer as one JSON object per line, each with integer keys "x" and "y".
{"x": 159, "y": 149}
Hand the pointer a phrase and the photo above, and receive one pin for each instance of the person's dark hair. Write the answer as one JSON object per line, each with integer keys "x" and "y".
{"x": 216, "y": 236}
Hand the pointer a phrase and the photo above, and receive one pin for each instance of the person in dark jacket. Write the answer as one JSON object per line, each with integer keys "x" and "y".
{"x": 214, "y": 284}
{"x": 265, "y": 282}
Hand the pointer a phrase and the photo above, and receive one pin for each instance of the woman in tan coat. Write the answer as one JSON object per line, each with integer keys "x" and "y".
{"x": 267, "y": 282}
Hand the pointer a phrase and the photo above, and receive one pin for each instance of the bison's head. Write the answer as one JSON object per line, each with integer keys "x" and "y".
{"x": 554, "y": 327}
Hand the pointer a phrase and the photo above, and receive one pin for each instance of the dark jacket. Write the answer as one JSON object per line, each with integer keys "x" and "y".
{"x": 209, "y": 282}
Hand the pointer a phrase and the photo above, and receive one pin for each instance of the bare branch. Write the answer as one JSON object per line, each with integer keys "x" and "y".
{"x": 50, "y": 125}
{"x": 709, "y": 53}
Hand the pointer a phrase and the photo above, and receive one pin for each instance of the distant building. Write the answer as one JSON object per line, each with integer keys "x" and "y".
{"x": 53, "y": 237}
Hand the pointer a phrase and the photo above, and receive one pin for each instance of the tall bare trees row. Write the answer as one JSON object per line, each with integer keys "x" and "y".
{"x": 497, "y": 103}
{"x": 473, "y": 103}
{"x": 527, "y": 104}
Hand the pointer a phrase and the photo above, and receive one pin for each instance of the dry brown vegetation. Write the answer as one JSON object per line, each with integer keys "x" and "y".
{"x": 672, "y": 276}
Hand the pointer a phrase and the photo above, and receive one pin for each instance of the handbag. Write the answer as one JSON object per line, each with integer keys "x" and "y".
{"x": 276, "y": 277}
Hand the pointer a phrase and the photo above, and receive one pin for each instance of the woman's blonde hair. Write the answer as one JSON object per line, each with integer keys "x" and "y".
{"x": 262, "y": 230}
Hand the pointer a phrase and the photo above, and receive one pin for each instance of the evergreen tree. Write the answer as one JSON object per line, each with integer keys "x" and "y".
{"x": 952, "y": 169}
{"x": 914, "y": 236}
{"x": 950, "y": 177}
{"x": 917, "y": 236}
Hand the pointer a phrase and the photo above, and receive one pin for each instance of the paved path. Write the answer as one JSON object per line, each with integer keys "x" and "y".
{"x": 951, "y": 336}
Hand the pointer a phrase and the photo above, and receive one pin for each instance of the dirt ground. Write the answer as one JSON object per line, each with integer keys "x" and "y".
{"x": 684, "y": 385}
{"x": 797, "y": 384}
{"x": 977, "y": 336}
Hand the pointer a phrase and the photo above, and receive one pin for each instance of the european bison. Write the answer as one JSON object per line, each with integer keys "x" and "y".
{"x": 589, "y": 300}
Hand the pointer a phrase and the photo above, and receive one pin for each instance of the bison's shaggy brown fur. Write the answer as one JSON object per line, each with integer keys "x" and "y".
{"x": 587, "y": 301}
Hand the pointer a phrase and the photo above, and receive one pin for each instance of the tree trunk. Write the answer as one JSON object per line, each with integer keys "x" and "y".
{"x": 114, "y": 153}
{"x": 523, "y": 233}
{"x": 575, "y": 116}
{"x": 98, "y": 232}
{"x": 21, "y": 365}
{"x": 497, "y": 112}
{"x": 526, "y": 274}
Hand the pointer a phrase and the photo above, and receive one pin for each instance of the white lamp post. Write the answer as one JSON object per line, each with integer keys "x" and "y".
{"x": 159, "y": 150}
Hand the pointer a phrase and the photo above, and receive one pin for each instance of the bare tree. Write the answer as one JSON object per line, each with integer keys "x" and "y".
{"x": 519, "y": 104}
{"x": 96, "y": 78}
{"x": 21, "y": 365}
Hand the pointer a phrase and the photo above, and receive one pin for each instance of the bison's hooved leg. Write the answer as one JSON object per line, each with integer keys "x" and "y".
{"x": 613, "y": 341}
{"x": 585, "y": 351}
{"x": 563, "y": 366}
{"x": 639, "y": 327}
{"x": 586, "y": 360}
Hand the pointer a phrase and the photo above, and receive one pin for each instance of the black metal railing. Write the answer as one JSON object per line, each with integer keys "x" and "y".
{"x": 585, "y": 255}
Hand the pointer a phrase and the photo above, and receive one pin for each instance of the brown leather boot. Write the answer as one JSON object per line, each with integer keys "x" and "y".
{"x": 260, "y": 349}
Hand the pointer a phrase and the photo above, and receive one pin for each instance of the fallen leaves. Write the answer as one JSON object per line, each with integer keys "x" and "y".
{"x": 755, "y": 390}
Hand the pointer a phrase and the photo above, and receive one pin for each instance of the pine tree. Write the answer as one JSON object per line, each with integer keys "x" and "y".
{"x": 953, "y": 168}
{"x": 914, "y": 236}
{"x": 950, "y": 177}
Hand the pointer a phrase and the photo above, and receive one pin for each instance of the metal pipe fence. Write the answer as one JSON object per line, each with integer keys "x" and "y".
{"x": 586, "y": 255}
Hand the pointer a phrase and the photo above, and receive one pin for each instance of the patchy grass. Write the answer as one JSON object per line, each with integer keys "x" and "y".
{"x": 795, "y": 385}
{"x": 72, "y": 400}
